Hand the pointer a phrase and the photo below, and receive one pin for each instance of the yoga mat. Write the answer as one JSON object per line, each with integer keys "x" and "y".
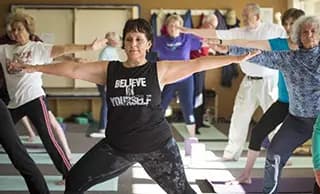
{"x": 210, "y": 161}
{"x": 35, "y": 146}
{"x": 214, "y": 145}
{"x": 286, "y": 185}
{"x": 16, "y": 183}
{"x": 36, "y": 140}
{"x": 40, "y": 158}
{"x": 29, "y": 150}
{"x": 206, "y": 134}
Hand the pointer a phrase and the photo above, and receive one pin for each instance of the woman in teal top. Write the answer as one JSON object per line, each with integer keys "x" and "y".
{"x": 316, "y": 150}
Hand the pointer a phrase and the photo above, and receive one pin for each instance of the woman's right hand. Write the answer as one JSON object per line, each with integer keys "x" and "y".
{"x": 223, "y": 49}
{"x": 184, "y": 29}
{"x": 15, "y": 67}
{"x": 248, "y": 55}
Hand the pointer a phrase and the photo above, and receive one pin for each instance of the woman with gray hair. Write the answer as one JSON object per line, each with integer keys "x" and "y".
{"x": 301, "y": 71}
{"x": 278, "y": 111}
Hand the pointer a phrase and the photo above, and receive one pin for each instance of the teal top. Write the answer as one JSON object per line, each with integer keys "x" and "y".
{"x": 316, "y": 145}
{"x": 281, "y": 44}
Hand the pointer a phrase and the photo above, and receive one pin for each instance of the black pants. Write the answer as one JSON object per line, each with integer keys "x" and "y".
{"x": 316, "y": 189}
{"x": 37, "y": 112}
{"x": 199, "y": 92}
{"x": 102, "y": 162}
{"x": 18, "y": 154}
{"x": 293, "y": 133}
{"x": 269, "y": 121}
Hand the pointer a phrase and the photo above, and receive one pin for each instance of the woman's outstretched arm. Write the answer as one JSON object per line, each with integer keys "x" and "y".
{"x": 172, "y": 71}
{"x": 257, "y": 44}
{"x": 94, "y": 72}
{"x": 59, "y": 50}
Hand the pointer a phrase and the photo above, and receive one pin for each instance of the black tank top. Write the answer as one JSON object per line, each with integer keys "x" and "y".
{"x": 136, "y": 121}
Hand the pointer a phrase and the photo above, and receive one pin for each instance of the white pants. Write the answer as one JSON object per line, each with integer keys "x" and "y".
{"x": 251, "y": 95}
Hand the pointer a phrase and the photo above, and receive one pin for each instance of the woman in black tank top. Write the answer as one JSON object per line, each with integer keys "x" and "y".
{"x": 137, "y": 130}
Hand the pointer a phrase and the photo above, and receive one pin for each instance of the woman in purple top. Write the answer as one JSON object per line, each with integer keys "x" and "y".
{"x": 177, "y": 46}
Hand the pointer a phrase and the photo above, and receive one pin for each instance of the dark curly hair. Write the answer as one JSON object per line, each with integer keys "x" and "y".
{"x": 137, "y": 25}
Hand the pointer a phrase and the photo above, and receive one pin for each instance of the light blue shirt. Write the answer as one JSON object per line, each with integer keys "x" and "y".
{"x": 109, "y": 53}
{"x": 301, "y": 70}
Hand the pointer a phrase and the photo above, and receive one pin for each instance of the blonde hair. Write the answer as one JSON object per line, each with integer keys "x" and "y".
{"x": 25, "y": 19}
{"x": 112, "y": 35}
{"x": 174, "y": 17}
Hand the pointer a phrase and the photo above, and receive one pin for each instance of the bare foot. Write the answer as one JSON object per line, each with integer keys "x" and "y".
{"x": 61, "y": 182}
{"x": 242, "y": 179}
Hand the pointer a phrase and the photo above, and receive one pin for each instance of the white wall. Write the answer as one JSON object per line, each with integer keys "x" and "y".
{"x": 309, "y": 6}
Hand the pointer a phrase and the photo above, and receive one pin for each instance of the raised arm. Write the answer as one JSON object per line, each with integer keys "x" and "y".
{"x": 91, "y": 71}
{"x": 258, "y": 44}
{"x": 272, "y": 59}
{"x": 59, "y": 50}
{"x": 201, "y": 32}
{"x": 172, "y": 71}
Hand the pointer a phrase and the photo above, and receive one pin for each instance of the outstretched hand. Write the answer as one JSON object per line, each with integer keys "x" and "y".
{"x": 184, "y": 29}
{"x": 98, "y": 44}
{"x": 223, "y": 49}
{"x": 211, "y": 42}
{"x": 249, "y": 55}
{"x": 16, "y": 67}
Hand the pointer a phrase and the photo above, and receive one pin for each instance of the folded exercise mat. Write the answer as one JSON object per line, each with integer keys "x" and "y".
{"x": 286, "y": 185}
{"x": 16, "y": 183}
{"x": 206, "y": 134}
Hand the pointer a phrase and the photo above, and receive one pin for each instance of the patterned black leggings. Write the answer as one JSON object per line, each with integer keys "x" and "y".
{"x": 103, "y": 162}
